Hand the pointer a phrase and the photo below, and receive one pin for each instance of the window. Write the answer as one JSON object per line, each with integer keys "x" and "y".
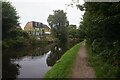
{"x": 35, "y": 24}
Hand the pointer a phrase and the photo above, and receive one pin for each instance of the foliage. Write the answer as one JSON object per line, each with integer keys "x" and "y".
{"x": 17, "y": 33}
{"x": 100, "y": 26}
{"x": 58, "y": 22}
{"x": 73, "y": 31}
{"x": 102, "y": 69}
{"x": 9, "y": 18}
{"x": 17, "y": 38}
{"x": 63, "y": 66}
{"x": 11, "y": 35}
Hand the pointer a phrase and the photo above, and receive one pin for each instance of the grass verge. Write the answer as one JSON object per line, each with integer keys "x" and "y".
{"x": 102, "y": 69}
{"x": 63, "y": 66}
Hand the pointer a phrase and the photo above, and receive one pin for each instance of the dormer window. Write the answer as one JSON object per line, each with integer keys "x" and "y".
{"x": 36, "y": 24}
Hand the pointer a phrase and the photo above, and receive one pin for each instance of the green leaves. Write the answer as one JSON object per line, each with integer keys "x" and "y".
{"x": 58, "y": 22}
{"x": 9, "y": 18}
{"x": 101, "y": 25}
{"x": 12, "y": 37}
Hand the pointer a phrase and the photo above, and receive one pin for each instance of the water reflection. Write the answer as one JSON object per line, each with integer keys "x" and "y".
{"x": 33, "y": 68}
{"x": 31, "y": 62}
{"x": 56, "y": 52}
{"x": 16, "y": 60}
{"x": 9, "y": 69}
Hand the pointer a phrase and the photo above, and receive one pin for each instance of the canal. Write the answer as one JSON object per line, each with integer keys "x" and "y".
{"x": 33, "y": 61}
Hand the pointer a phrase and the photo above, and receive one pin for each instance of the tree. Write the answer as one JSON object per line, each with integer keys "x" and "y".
{"x": 58, "y": 22}
{"x": 11, "y": 35}
{"x": 9, "y": 18}
{"x": 101, "y": 20}
{"x": 73, "y": 31}
{"x": 101, "y": 25}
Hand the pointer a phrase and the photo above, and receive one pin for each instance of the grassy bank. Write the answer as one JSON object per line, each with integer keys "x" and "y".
{"x": 63, "y": 67}
{"x": 102, "y": 68}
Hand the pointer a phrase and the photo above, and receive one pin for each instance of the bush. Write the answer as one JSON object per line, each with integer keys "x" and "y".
{"x": 103, "y": 67}
{"x": 18, "y": 33}
{"x": 17, "y": 38}
{"x": 18, "y": 42}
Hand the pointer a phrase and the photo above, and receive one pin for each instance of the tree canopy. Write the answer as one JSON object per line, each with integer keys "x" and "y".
{"x": 58, "y": 22}
{"x": 9, "y": 18}
{"x": 11, "y": 35}
{"x": 73, "y": 31}
{"x": 100, "y": 27}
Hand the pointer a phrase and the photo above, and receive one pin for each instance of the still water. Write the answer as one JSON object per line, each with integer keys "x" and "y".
{"x": 33, "y": 66}
{"x": 32, "y": 62}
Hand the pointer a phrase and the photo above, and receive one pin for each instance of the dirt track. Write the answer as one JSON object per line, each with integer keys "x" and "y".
{"x": 81, "y": 69}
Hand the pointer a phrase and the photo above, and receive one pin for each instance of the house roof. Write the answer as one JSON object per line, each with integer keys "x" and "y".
{"x": 38, "y": 24}
{"x": 45, "y": 26}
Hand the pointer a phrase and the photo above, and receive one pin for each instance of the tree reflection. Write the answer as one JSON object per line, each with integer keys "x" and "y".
{"x": 9, "y": 69}
{"x": 56, "y": 52}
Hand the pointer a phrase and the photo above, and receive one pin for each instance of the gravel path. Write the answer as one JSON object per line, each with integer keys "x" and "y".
{"x": 81, "y": 69}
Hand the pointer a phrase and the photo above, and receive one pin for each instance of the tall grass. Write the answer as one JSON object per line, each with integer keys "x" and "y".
{"x": 103, "y": 69}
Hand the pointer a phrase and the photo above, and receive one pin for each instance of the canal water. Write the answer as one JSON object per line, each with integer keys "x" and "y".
{"x": 32, "y": 62}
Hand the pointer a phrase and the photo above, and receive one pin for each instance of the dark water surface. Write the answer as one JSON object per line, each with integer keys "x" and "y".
{"x": 32, "y": 62}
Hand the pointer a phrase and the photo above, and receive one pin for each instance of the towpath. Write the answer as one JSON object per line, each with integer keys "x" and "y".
{"x": 81, "y": 69}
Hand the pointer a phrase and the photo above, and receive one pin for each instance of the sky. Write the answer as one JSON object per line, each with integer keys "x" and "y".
{"x": 39, "y": 10}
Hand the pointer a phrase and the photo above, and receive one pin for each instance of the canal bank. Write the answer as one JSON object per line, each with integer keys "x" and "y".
{"x": 63, "y": 66}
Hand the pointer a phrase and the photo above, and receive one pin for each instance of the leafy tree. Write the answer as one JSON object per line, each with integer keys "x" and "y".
{"x": 73, "y": 31}
{"x": 100, "y": 26}
{"x": 101, "y": 20}
{"x": 58, "y": 22}
{"x": 9, "y": 18}
{"x": 12, "y": 36}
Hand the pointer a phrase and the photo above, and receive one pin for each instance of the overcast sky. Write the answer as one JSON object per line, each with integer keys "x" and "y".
{"x": 39, "y": 10}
